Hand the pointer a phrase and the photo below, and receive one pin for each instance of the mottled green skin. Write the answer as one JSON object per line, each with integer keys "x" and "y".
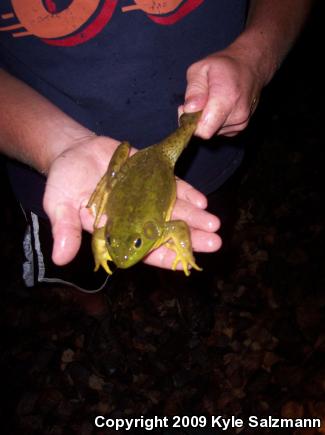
{"x": 145, "y": 190}
{"x": 141, "y": 194}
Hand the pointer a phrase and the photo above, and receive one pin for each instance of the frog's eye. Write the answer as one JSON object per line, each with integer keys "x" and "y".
{"x": 137, "y": 242}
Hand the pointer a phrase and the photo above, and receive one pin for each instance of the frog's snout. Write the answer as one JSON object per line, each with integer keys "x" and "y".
{"x": 124, "y": 261}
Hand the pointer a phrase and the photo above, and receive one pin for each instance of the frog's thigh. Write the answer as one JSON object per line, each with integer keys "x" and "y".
{"x": 177, "y": 236}
{"x": 98, "y": 200}
{"x": 99, "y": 249}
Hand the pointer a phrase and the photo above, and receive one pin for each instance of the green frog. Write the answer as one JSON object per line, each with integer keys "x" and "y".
{"x": 137, "y": 194}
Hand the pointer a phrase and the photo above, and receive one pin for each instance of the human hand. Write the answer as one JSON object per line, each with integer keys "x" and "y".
{"x": 73, "y": 177}
{"x": 226, "y": 86}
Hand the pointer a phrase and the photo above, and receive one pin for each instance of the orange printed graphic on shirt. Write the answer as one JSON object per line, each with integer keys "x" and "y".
{"x": 164, "y": 12}
{"x": 154, "y": 6}
{"x": 82, "y": 20}
{"x": 40, "y": 22}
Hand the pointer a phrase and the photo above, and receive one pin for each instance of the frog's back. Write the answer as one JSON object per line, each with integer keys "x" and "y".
{"x": 145, "y": 188}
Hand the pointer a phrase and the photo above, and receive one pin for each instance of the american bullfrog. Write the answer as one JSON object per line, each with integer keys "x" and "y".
{"x": 137, "y": 195}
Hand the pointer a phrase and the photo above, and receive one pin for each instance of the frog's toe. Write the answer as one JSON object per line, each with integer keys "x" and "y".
{"x": 175, "y": 262}
{"x": 101, "y": 255}
{"x": 104, "y": 265}
{"x": 195, "y": 266}
{"x": 186, "y": 262}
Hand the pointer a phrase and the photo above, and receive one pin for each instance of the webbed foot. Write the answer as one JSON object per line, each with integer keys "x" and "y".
{"x": 186, "y": 260}
{"x": 177, "y": 235}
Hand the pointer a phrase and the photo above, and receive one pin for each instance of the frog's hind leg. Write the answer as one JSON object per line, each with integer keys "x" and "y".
{"x": 98, "y": 200}
{"x": 177, "y": 237}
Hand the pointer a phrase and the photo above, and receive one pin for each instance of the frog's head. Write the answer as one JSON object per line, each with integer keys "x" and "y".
{"x": 127, "y": 248}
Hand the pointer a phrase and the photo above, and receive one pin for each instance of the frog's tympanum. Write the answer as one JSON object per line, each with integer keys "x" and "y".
{"x": 137, "y": 195}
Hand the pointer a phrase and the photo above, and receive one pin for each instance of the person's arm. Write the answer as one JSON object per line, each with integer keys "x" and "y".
{"x": 227, "y": 84}
{"x": 36, "y": 132}
{"x": 32, "y": 129}
{"x": 271, "y": 30}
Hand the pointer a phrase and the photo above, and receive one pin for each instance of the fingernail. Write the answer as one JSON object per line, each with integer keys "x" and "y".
{"x": 206, "y": 119}
{"x": 190, "y": 105}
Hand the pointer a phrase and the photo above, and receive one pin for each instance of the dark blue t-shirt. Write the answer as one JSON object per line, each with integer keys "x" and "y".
{"x": 119, "y": 68}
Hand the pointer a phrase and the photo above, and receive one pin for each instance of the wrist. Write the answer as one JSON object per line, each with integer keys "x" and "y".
{"x": 62, "y": 139}
{"x": 256, "y": 52}
{"x": 95, "y": 150}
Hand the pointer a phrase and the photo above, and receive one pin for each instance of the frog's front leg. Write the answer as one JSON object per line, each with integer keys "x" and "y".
{"x": 177, "y": 236}
{"x": 99, "y": 248}
{"x": 98, "y": 200}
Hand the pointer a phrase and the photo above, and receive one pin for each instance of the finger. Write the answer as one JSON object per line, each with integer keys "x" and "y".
{"x": 239, "y": 118}
{"x": 214, "y": 114}
{"x": 203, "y": 94}
{"x": 87, "y": 219}
{"x": 205, "y": 242}
{"x": 188, "y": 193}
{"x": 201, "y": 241}
{"x": 197, "y": 89}
{"x": 229, "y": 134}
{"x": 180, "y": 110}
{"x": 232, "y": 130}
{"x": 195, "y": 217}
{"x": 66, "y": 231}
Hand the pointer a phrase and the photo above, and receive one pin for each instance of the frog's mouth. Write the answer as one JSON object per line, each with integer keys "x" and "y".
{"x": 125, "y": 261}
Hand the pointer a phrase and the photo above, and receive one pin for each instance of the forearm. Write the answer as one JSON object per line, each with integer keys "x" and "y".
{"x": 32, "y": 129}
{"x": 272, "y": 28}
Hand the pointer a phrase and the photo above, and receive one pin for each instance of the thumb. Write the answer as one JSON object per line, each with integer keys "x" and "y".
{"x": 197, "y": 91}
{"x": 66, "y": 231}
